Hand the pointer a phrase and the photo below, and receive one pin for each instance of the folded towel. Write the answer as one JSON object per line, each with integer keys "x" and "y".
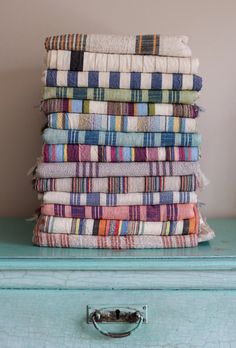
{"x": 121, "y": 123}
{"x": 51, "y": 224}
{"x": 119, "y": 242}
{"x": 118, "y": 199}
{"x": 95, "y": 170}
{"x": 86, "y": 61}
{"x": 168, "y": 212}
{"x": 153, "y": 44}
{"x": 93, "y": 153}
{"x": 118, "y": 184}
{"x": 58, "y": 136}
{"x": 133, "y": 80}
{"x": 123, "y": 95}
{"x": 116, "y": 108}
{"x": 59, "y": 240}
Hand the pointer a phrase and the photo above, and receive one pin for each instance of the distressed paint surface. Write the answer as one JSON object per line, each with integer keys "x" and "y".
{"x": 183, "y": 319}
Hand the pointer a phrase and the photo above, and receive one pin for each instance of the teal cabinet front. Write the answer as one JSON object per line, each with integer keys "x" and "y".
{"x": 36, "y": 318}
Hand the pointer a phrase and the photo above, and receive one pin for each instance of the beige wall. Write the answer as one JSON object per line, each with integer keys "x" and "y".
{"x": 211, "y": 26}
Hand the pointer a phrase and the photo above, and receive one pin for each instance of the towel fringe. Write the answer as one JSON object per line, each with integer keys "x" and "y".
{"x": 32, "y": 170}
{"x": 206, "y": 233}
{"x": 202, "y": 109}
{"x": 201, "y": 179}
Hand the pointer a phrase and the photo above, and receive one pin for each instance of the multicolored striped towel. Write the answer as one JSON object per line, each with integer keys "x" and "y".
{"x": 94, "y": 153}
{"x": 119, "y": 242}
{"x": 58, "y": 136}
{"x": 113, "y": 199}
{"x": 60, "y": 240}
{"x": 118, "y": 184}
{"x": 121, "y": 123}
{"x": 86, "y": 61}
{"x": 133, "y": 80}
{"x": 153, "y": 44}
{"x": 51, "y": 224}
{"x": 122, "y": 95}
{"x": 169, "y": 212}
{"x": 96, "y": 170}
{"x": 120, "y": 109}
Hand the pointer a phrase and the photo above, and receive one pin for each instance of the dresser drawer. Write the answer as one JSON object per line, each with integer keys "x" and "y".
{"x": 50, "y": 318}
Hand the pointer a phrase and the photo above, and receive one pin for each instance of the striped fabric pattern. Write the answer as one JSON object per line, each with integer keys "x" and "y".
{"x": 123, "y": 95}
{"x": 133, "y": 80}
{"x": 121, "y": 123}
{"x": 87, "y": 61}
{"x": 118, "y": 184}
{"x": 96, "y": 170}
{"x": 151, "y": 44}
{"x": 168, "y": 212}
{"x": 51, "y": 224}
{"x": 118, "y": 108}
{"x": 58, "y": 136}
{"x": 113, "y": 199}
{"x": 60, "y": 240}
{"x": 94, "y": 153}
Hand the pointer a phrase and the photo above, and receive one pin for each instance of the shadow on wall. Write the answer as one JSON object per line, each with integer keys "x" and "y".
{"x": 20, "y": 139}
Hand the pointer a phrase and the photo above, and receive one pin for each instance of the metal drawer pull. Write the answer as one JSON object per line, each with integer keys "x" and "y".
{"x": 116, "y": 315}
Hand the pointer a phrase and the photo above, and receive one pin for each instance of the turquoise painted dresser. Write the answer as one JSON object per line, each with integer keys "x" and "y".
{"x": 50, "y": 297}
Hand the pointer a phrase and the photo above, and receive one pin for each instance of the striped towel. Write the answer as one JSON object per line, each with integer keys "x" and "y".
{"x": 118, "y": 184}
{"x": 51, "y": 224}
{"x": 58, "y": 136}
{"x": 95, "y": 170}
{"x": 153, "y": 44}
{"x": 119, "y": 199}
{"x": 59, "y": 240}
{"x": 118, "y": 108}
{"x": 93, "y": 153}
{"x": 121, "y": 95}
{"x": 121, "y": 123}
{"x": 168, "y": 212}
{"x": 87, "y": 61}
{"x": 133, "y": 80}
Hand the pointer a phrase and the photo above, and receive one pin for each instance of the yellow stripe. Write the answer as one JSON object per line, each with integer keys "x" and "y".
{"x": 119, "y": 228}
{"x": 77, "y": 226}
{"x": 176, "y": 124}
{"x": 65, "y": 152}
{"x": 118, "y": 123}
{"x": 59, "y": 121}
{"x": 132, "y": 154}
{"x": 168, "y": 228}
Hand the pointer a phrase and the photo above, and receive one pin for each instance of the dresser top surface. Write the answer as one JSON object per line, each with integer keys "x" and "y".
{"x": 16, "y": 236}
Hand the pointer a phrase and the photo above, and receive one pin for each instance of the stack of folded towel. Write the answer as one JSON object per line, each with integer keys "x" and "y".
{"x": 120, "y": 157}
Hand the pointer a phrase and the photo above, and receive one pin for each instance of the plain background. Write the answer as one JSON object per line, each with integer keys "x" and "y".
{"x": 211, "y": 26}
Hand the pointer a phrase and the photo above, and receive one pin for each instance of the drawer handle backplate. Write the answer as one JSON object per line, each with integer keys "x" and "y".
{"x": 119, "y": 314}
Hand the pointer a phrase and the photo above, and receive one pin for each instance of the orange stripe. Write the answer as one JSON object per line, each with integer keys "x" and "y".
{"x": 154, "y": 43}
{"x": 78, "y": 41}
{"x": 62, "y": 42}
{"x": 102, "y": 228}
{"x": 140, "y": 43}
{"x": 70, "y": 42}
{"x": 192, "y": 225}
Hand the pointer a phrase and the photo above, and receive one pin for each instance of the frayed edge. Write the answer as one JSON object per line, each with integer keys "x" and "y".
{"x": 32, "y": 170}
{"x": 206, "y": 233}
{"x": 202, "y": 109}
{"x": 202, "y": 180}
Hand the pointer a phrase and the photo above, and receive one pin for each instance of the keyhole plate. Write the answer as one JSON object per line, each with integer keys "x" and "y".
{"x": 116, "y": 313}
